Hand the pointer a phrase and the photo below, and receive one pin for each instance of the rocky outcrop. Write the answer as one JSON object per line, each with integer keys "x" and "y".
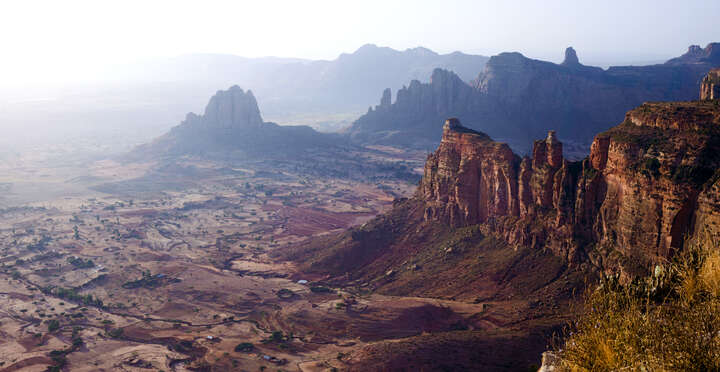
{"x": 519, "y": 99}
{"x": 386, "y": 98}
{"x": 710, "y": 86}
{"x": 699, "y": 55}
{"x": 472, "y": 180}
{"x": 233, "y": 108}
{"x": 648, "y": 186}
{"x": 419, "y": 104}
{"x": 232, "y": 122}
{"x": 571, "y": 58}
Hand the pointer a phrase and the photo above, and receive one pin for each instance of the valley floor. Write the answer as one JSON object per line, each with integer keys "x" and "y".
{"x": 150, "y": 266}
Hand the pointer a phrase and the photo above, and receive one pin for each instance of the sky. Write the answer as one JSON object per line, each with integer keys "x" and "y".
{"x": 61, "y": 41}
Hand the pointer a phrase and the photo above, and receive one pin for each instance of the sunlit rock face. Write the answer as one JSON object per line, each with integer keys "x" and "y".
{"x": 648, "y": 186}
{"x": 710, "y": 86}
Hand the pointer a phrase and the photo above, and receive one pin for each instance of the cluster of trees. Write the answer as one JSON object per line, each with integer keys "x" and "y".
{"x": 147, "y": 281}
{"x": 80, "y": 263}
{"x": 71, "y": 294}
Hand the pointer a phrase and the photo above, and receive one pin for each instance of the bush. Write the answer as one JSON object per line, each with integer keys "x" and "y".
{"x": 53, "y": 325}
{"x": 319, "y": 289}
{"x": 244, "y": 347}
{"x": 115, "y": 333}
{"x": 285, "y": 293}
{"x": 669, "y": 321}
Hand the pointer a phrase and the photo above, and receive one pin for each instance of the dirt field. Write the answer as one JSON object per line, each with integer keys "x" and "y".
{"x": 165, "y": 267}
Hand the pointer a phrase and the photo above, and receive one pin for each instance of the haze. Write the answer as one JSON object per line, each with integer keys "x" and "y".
{"x": 68, "y": 41}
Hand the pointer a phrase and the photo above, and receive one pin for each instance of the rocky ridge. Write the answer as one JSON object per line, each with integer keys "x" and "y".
{"x": 517, "y": 99}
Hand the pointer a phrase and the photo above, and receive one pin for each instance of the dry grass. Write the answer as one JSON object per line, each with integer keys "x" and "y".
{"x": 669, "y": 321}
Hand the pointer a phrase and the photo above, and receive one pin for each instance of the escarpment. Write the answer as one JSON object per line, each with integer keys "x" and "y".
{"x": 649, "y": 185}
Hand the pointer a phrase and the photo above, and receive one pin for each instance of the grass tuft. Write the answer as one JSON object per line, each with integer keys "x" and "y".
{"x": 669, "y": 321}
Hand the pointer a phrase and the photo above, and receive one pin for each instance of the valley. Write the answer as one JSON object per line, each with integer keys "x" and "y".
{"x": 176, "y": 279}
{"x": 360, "y": 187}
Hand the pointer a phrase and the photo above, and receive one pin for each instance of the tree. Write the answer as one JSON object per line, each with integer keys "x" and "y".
{"x": 53, "y": 325}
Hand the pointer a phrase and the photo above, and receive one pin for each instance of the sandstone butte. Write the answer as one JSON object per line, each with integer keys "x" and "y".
{"x": 649, "y": 185}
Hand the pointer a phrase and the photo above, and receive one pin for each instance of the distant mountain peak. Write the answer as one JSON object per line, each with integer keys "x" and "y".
{"x": 421, "y": 51}
{"x": 696, "y": 54}
{"x": 571, "y": 58}
{"x": 233, "y": 108}
{"x": 441, "y": 76}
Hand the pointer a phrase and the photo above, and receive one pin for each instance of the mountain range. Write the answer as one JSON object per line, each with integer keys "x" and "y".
{"x": 133, "y": 103}
{"x": 348, "y": 83}
{"x": 516, "y": 99}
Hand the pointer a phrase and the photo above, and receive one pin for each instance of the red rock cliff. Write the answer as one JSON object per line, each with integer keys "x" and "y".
{"x": 648, "y": 185}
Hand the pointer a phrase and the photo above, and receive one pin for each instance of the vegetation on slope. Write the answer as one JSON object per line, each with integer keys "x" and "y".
{"x": 669, "y": 321}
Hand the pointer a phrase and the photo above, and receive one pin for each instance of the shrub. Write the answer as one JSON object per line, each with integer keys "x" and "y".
{"x": 53, "y": 325}
{"x": 319, "y": 289}
{"x": 285, "y": 293}
{"x": 115, "y": 333}
{"x": 669, "y": 321}
{"x": 244, "y": 347}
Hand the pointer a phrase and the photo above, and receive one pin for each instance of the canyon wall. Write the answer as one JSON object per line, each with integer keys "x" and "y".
{"x": 649, "y": 184}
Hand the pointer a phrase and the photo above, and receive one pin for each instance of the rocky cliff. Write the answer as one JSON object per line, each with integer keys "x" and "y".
{"x": 648, "y": 185}
{"x": 710, "y": 86}
{"x": 517, "y": 99}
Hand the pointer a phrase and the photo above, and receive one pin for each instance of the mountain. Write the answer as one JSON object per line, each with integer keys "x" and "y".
{"x": 527, "y": 232}
{"x": 517, "y": 99}
{"x": 135, "y": 102}
{"x": 232, "y": 123}
{"x": 296, "y": 86}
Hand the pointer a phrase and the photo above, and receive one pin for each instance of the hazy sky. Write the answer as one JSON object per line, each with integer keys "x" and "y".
{"x": 66, "y": 40}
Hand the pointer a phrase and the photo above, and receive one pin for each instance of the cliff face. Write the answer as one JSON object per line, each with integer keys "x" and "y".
{"x": 472, "y": 180}
{"x": 416, "y": 111}
{"x": 233, "y": 108}
{"x": 648, "y": 185}
{"x": 518, "y": 99}
{"x": 710, "y": 86}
